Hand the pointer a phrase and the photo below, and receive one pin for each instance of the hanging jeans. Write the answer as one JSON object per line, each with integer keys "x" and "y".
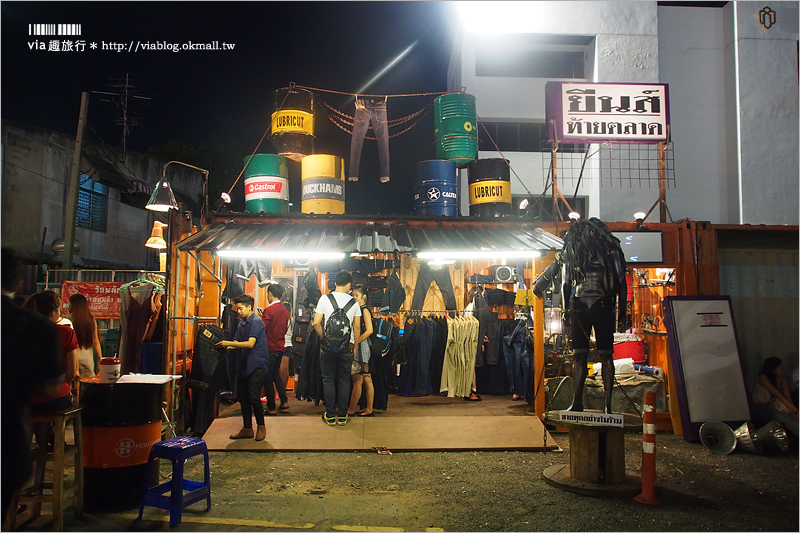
{"x": 424, "y": 280}
{"x": 369, "y": 111}
{"x": 426, "y": 338}
{"x": 517, "y": 360}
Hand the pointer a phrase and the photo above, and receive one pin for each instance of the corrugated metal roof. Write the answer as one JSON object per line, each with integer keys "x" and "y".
{"x": 367, "y": 236}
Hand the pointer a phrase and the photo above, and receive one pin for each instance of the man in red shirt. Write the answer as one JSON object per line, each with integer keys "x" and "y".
{"x": 276, "y": 321}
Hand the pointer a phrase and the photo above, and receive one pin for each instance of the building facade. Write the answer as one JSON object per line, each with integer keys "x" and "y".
{"x": 732, "y": 74}
{"x": 112, "y": 224}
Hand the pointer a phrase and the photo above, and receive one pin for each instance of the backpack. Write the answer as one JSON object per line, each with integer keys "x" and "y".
{"x": 382, "y": 338}
{"x": 338, "y": 329}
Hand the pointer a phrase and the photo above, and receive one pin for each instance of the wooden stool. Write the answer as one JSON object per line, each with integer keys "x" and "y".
{"x": 59, "y": 489}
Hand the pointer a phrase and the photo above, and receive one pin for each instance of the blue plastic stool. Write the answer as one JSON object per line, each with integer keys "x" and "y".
{"x": 177, "y": 450}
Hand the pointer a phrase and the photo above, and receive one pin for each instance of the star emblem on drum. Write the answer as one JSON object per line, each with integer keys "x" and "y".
{"x": 433, "y": 193}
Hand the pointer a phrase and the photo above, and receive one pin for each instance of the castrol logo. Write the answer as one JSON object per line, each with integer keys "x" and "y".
{"x": 266, "y": 187}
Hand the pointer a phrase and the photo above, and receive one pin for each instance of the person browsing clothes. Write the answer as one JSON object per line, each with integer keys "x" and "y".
{"x": 276, "y": 321}
{"x": 336, "y": 319}
{"x": 253, "y": 367}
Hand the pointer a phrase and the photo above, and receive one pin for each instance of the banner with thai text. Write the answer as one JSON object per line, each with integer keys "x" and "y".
{"x": 600, "y": 112}
{"x": 103, "y": 296}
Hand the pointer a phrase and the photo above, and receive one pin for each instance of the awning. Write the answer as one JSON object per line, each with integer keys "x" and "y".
{"x": 354, "y": 235}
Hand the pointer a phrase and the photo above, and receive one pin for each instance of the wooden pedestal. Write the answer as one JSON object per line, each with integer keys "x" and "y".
{"x": 596, "y": 460}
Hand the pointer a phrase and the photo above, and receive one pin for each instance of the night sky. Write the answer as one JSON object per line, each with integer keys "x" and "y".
{"x": 226, "y": 97}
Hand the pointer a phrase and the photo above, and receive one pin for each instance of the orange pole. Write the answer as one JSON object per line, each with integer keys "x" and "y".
{"x": 648, "y": 495}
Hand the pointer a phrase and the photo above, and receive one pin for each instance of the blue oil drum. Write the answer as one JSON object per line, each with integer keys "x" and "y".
{"x": 436, "y": 188}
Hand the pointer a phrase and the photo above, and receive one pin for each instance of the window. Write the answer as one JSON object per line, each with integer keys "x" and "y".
{"x": 533, "y": 56}
{"x": 92, "y": 205}
{"x": 530, "y": 64}
{"x": 520, "y": 137}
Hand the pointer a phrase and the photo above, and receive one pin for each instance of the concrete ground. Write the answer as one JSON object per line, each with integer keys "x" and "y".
{"x": 471, "y": 491}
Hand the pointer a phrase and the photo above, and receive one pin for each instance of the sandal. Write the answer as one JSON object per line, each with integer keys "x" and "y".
{"x": 367, "y": 414}
{"x": 471, "y": 399}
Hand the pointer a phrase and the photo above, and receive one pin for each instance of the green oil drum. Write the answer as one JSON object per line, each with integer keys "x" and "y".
{"x": 266, "y": 184}
{"x": 292, "y": 129}
{"x": 456, "y": 128}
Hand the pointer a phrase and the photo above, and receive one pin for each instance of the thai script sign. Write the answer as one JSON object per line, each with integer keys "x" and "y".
{"x": 102, "y": 296}
{"x": 591, "y": 419}
{"x": 599, "y": 112}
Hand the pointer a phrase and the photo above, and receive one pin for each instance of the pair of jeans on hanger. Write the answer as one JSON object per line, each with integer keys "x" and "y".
{"x": 370, "y": 111}
{"x": 427, "y": 276}
{"x": 517, "y": 360}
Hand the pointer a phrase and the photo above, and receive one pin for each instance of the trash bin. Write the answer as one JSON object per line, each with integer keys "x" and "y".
{"x": 110, "y": 344}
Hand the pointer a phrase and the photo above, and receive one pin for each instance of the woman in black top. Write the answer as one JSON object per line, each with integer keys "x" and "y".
{"x": 360, "y": 373}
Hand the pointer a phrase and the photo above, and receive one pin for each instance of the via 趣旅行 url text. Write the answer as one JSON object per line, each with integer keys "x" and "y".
{"x": 164, "y": 46}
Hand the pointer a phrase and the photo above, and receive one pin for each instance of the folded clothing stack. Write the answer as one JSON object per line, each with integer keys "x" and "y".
{"x": 499, "y": 297}
{"x": 481, "y": 278}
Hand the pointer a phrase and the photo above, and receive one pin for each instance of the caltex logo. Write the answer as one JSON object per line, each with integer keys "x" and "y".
{"x": 433, "y": 193}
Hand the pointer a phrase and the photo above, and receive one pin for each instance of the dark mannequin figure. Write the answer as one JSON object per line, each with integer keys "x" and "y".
{"x": 595, "y": 293}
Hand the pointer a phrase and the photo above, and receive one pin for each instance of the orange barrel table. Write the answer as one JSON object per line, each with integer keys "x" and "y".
{"x": 121, "y": 422}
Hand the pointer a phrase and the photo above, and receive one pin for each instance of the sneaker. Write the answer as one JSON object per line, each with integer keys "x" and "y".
{"x": 342, "y": 420}
{"x": 244, "y": 433}
{"x": 330, "y": 420}
{"x": 261, "y": 433}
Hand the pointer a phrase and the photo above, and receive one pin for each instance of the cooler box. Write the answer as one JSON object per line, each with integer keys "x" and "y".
{"x": 630, "y": 349}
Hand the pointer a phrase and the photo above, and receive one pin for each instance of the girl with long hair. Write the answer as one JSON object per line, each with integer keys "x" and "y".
{"x": 360, "y": 374}
{"x": 85, "y": 326}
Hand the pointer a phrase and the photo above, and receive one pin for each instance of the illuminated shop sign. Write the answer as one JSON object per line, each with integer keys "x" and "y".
{"x": 599, "y": 112}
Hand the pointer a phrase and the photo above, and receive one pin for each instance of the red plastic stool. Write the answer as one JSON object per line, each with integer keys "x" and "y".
{"x": 177, "y": 450}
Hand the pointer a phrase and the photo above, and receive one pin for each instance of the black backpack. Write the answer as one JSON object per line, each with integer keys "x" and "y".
{"x": 338, "y": 329}
{"x": 383, "y": 337}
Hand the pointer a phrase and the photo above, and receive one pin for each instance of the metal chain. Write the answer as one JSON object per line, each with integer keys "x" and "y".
{"x": 368, "y": 95}
{"x": 371, "y": 138}
{"x": 394, "y": 122}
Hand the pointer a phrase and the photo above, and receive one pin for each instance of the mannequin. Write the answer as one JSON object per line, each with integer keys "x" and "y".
{"x": 595, "y": 294}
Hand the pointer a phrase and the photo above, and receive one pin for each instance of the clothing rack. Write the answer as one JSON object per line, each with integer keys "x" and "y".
{"x": 414, "y": 313}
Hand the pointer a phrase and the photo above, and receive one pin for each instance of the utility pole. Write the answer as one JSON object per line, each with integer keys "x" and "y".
{"x": 121, "y": 101}
{"x": 74, "y": 185}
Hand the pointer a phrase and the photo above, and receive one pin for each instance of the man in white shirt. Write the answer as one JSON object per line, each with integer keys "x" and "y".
{"x": 335, "y": 362}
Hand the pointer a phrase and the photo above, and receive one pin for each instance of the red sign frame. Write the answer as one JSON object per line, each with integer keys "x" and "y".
{"x": 103, "y": 297}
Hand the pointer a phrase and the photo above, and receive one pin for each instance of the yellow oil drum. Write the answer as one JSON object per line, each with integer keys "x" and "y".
{"x": 292, "y": 129}
{"x": 322, "y": 184}
{"x": 489, "y": 188}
